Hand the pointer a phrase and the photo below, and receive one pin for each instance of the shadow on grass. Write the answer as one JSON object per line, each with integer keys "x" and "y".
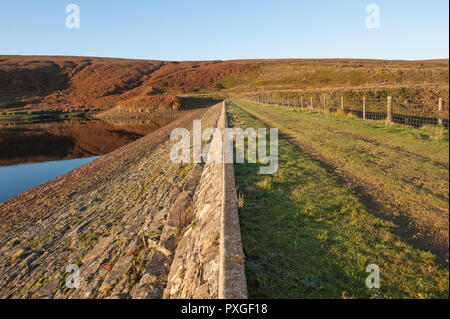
{"x": 285, "y": 240}
{"x": 406, "y": 227}
{"x": 285, "y": 244}
{"x": 305, "y": 235}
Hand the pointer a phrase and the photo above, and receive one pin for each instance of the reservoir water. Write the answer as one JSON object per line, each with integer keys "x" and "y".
{"x": 32, "y": 154}
{"x": 16, "y": 179}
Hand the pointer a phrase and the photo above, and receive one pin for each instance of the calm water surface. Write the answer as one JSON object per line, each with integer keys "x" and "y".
{"x": 33, "y": 154}
{"x": 16, "y": 179}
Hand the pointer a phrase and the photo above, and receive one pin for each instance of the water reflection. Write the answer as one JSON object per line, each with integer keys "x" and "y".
{"x": 63, "y": 140}
{"x": 16, "y": 179}
{"x": 56, "y": 148}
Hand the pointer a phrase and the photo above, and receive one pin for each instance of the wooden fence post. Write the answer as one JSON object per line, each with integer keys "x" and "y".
{"x": 342, "y": 104}
{"x": 324, "y": 103}
{"x": 440, "y": 122}
{"x": 389, "y": 110}
{"x": 301, "y": 101}
{"x": 364, "y": 107}
{"x": 312, "y": 107}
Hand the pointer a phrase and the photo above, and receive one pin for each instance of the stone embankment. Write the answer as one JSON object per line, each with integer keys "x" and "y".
{"x": 135, "y": 224}
{"x": 209, "y": 261}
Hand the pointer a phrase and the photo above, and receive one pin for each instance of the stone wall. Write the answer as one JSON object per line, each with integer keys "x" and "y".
{"x": 209, "y": 261}
{"x": 117, "y": 218}
{"x": 232, "y": 281}
{"x": 136, "y": 225}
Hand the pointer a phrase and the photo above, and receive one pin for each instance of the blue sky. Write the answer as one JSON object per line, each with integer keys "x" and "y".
{"x": 232, "y": 29}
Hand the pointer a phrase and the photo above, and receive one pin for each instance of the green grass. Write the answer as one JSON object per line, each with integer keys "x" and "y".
{"x": 231, "y": 81}
{"x": 403, "y": 169}
{"x": 307, "y": 236}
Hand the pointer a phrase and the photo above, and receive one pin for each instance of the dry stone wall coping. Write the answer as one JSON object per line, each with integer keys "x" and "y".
{"x": 209, "y": 259}
{"x": 232, "y": 281}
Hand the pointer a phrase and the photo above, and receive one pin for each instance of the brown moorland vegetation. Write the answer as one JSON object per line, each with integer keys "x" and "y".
{"x": 155, "y": 102}
{"x": 45, "y": 82}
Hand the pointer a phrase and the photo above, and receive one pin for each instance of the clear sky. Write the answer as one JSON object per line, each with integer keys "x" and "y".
{"x": 228, "y": 29}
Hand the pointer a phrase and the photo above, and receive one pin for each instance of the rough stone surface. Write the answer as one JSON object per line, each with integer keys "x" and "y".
{"x": 120, "y": 219}
{"x": 205, "y": 263}
{"x": 194, "y": 272}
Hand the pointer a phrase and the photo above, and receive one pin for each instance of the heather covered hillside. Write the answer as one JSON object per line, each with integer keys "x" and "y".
{"x": 63, "y": 83}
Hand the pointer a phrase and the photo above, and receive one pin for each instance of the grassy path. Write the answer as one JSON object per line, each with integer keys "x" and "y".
{"x": 401, "y": 172}
{"x": 306, "y": 235}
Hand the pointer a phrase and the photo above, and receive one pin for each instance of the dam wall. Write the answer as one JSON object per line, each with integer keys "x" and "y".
{"x": 209, "y": 260}
{"x": 130, "y": 224}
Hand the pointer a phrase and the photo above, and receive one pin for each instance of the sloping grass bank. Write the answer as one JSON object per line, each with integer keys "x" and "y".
{"x": 400, "y": 172}
{"x": 307, "y": 236}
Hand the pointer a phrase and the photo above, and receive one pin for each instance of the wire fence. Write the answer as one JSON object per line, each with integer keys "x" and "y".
{"x": 394, "y": 110}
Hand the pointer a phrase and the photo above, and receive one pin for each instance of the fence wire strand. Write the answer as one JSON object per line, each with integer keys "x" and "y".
{"x": 434, "y": 112}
